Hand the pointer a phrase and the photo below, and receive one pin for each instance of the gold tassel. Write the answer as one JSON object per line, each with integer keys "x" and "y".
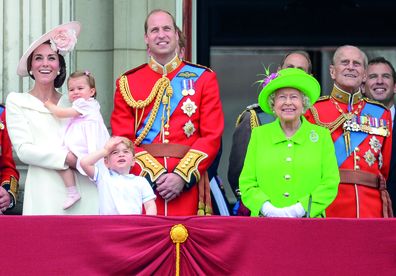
{"x": 201, "y": 208}
{"x": 178, "y": 234}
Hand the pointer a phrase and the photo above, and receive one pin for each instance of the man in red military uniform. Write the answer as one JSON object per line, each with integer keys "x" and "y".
{"x": 360, "y": 130}
{"x": 171, "y": 109}
{"x": 9, "y": 174}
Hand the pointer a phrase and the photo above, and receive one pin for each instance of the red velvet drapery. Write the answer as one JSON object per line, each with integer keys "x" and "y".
{"x": 141, "y": 245}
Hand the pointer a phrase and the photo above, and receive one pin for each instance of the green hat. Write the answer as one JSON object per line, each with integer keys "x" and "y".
{"x": 289, "y": 77}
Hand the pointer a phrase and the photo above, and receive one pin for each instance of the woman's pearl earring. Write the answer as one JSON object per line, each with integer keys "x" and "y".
{"x": 58, "y": 73}
{"x": 30, "y": 72}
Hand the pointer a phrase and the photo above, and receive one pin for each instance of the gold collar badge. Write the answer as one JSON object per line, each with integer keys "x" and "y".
{"x": 344, "y": 97}
{"x": 164, "y": 69}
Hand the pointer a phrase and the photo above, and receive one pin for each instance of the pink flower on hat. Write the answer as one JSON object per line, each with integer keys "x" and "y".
{"x": 269, "y": 78}
{"x": 63, "y": 40}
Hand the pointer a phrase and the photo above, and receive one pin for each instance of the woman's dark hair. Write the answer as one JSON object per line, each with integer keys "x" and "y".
{"x": 60, "y": 79}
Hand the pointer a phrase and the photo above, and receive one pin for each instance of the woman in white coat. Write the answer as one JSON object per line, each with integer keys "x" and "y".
{"x": 36, "y": 134}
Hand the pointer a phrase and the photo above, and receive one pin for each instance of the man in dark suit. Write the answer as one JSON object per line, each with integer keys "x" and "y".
{"x": 380, "y": 86}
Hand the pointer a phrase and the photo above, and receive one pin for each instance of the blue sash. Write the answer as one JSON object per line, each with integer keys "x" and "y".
{"x": 357, "y": 137}
{"x": 187, "y": 72}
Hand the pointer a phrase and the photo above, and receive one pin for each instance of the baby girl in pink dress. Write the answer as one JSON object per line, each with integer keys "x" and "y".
{"x": 86, "y": 131}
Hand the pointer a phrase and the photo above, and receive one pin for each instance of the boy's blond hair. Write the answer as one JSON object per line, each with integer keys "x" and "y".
{"x": 129, "y": 144}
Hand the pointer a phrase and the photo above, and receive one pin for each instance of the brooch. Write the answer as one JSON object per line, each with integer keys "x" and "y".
{"x": 313, "y": 136}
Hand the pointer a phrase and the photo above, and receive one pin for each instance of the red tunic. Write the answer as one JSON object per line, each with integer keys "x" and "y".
{"x": 8, "y": 171}
{"x": 371, "y": 156}
{"x": 204, "y": 139}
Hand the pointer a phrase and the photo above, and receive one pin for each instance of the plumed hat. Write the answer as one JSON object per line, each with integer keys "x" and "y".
{"x": 289, "y": 77}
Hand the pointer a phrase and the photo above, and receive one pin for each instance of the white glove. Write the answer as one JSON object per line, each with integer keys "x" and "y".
{"x": 268, "y": 209}
{"x": 293, "y": 211}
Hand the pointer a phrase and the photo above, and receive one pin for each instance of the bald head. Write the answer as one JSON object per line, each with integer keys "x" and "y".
{"x": 348, "y": 68}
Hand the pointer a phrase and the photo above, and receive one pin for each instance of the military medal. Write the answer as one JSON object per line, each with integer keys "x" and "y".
{"x": 355, "y": 124}
{"x": 191, "y": 91}
{"x": 382, "y": 128}
{"x": 1, "y": 125}
{"x": 189, "y": 107}
{"x": 184, "y": 91}
{"x": 365, "y": 125}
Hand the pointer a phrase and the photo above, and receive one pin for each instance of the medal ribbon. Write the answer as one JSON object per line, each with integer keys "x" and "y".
{"x": 356, "y": 137}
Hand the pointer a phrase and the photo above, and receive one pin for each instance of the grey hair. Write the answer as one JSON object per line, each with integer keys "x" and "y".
{"x": 339, "y": 49}
{"x": 305, "y": 98}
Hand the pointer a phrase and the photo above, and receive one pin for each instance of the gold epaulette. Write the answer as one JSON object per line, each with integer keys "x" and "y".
{"x": 133, "y": 70}
{"x": 254, "y": 122}
{"x": 188, "y": 165}
{"x": 149, "y": 165}
{"x": 198, "y": 65}
{"x": 375, "y": 102}
{"x": 322, "y": 98}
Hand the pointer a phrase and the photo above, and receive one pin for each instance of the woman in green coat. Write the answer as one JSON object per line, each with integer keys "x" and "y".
{"x": 290, "y": 168}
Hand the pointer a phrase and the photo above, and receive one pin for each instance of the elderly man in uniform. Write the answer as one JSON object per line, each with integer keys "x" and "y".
{"x": 171, "y": 109}
{"x": 8, "y": 174}
{"x": 360, "y": 129}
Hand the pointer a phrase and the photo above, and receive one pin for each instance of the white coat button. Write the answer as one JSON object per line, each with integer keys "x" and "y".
{"x": 288, "y": 159}
{"x": 287, "y": 176}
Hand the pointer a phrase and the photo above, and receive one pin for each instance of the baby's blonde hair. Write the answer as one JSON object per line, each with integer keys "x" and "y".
{"x": 87, "y": 74}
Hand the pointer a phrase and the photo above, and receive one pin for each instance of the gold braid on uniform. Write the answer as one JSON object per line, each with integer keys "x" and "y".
{"x": 331, "y": 126}
{"x": 238, "y": 121}
{"x": 253, "y": 119}
{"x": 163, "y": 84}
